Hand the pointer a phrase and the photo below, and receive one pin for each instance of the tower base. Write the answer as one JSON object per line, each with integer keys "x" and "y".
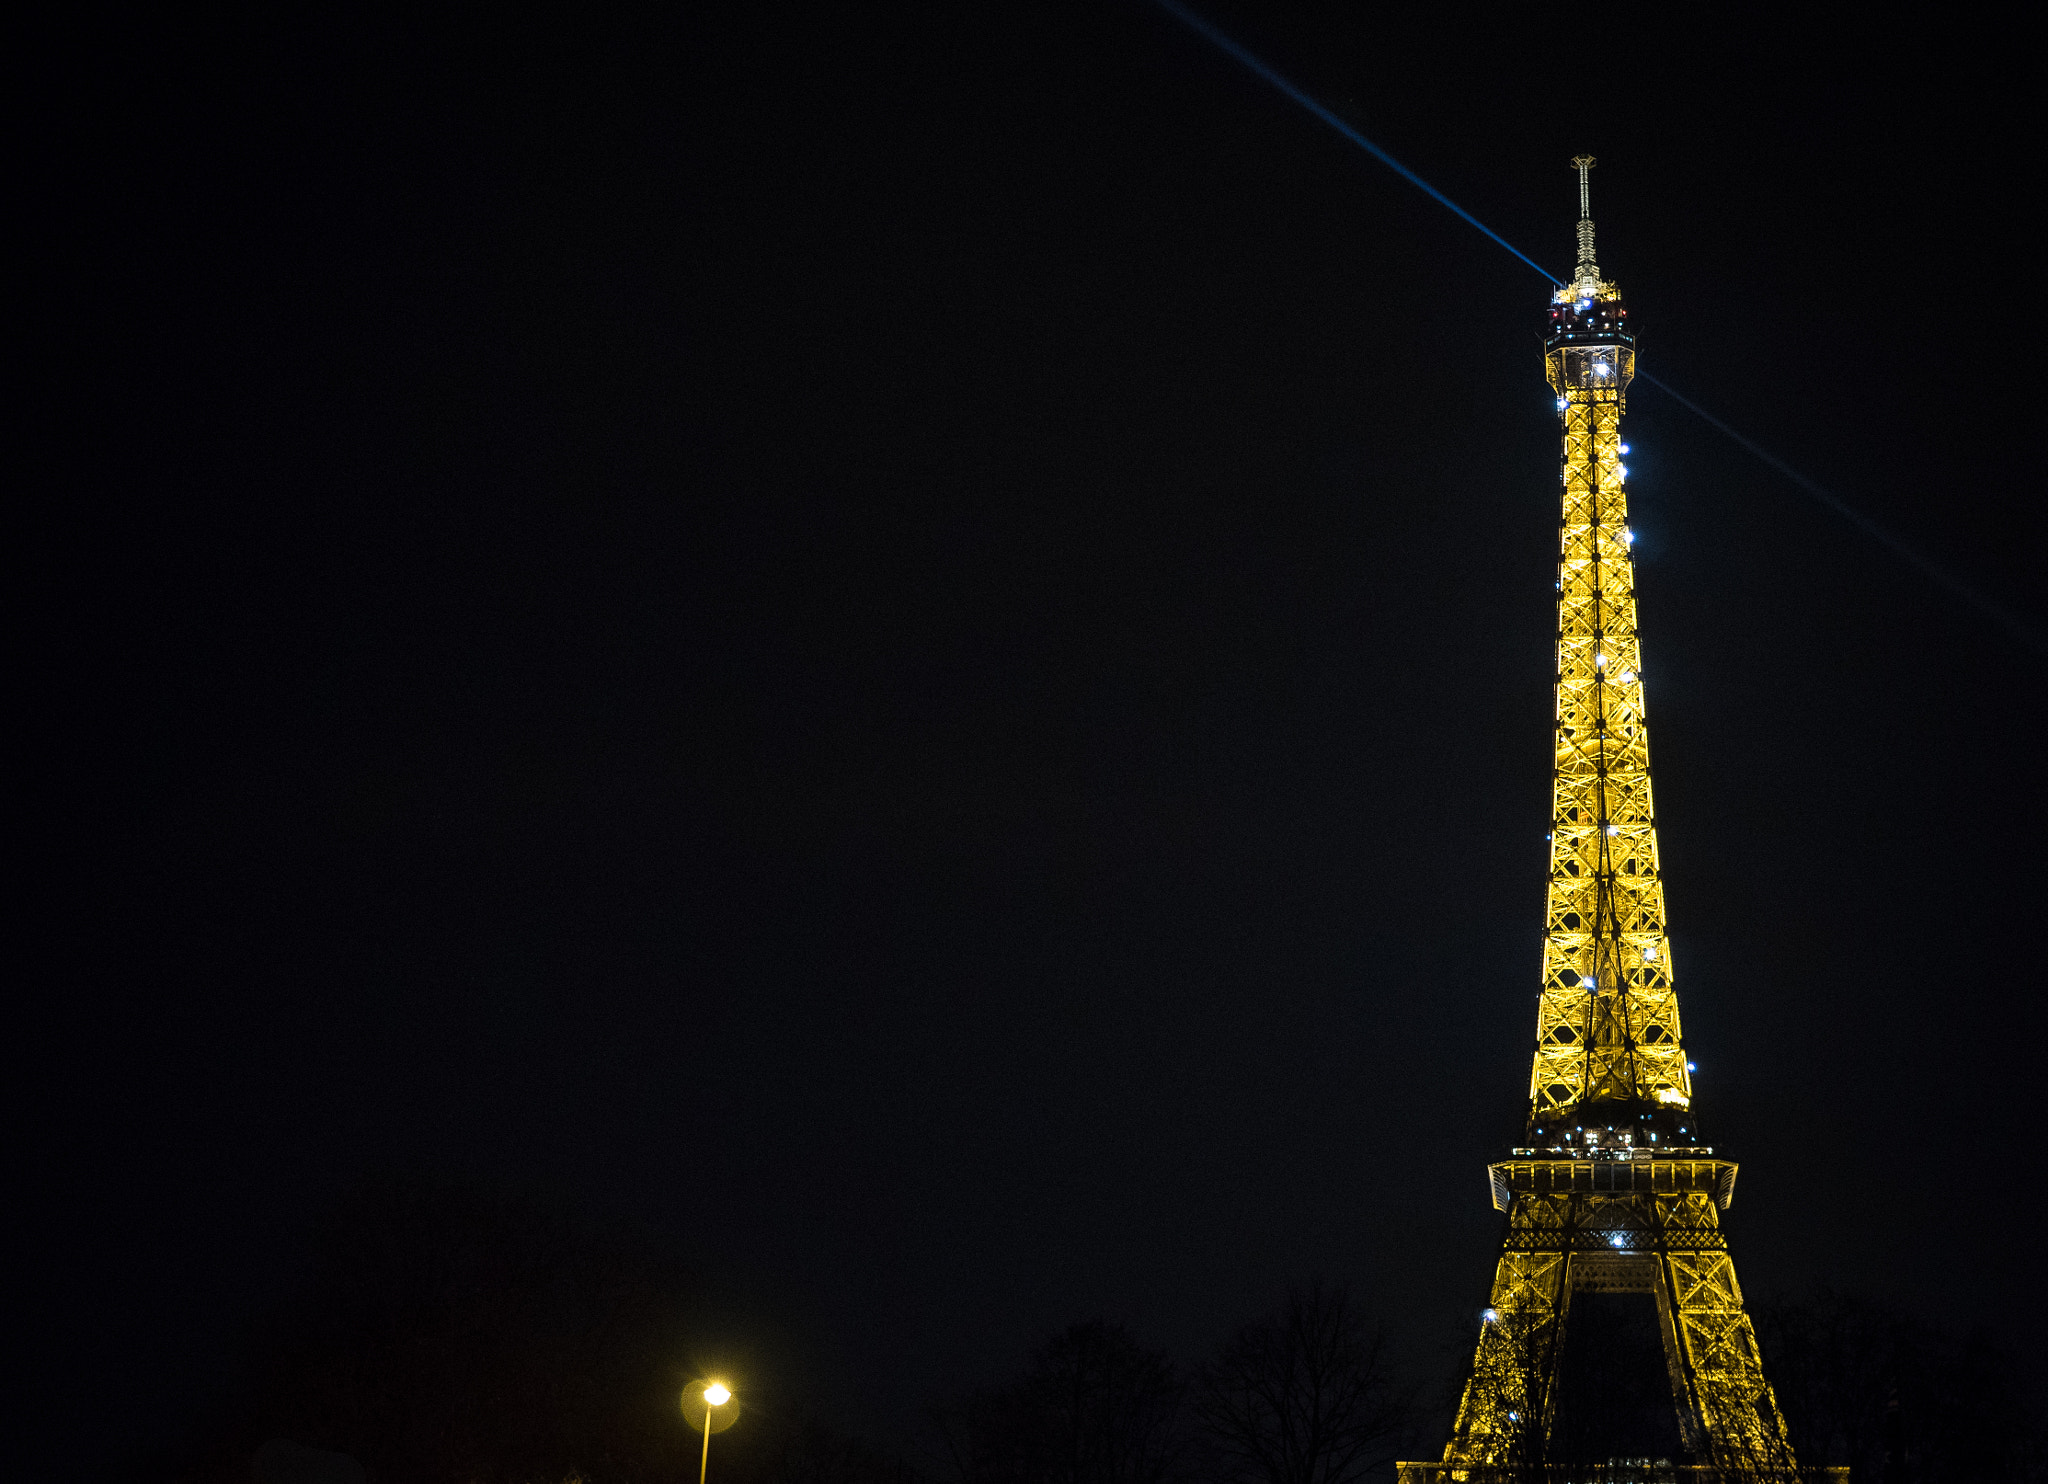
{"x": 1616, "y": 1222}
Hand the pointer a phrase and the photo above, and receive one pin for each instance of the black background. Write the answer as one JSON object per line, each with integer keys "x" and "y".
{"x": 913, "y": 648}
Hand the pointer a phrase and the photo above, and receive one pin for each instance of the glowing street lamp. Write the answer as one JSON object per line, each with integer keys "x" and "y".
{"x": 711, "y": 1408}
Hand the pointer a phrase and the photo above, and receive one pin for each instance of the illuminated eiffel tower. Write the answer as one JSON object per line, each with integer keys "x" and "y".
{"x": 1613, "y": 1191}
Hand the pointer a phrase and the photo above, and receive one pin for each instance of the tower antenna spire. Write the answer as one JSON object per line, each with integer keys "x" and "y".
{"x": 1587, "y": 272}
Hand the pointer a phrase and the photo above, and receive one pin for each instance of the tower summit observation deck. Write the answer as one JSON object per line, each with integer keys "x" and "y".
{"x": 1612, "y": 1189}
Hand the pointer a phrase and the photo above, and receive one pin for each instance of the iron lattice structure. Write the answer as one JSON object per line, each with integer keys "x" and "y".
{"x": 1614, "y": 1190}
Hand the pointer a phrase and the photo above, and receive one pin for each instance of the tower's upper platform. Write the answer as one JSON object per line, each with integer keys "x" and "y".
{"x": 1588, "y": 345}
{"x": 1596, "y": 318}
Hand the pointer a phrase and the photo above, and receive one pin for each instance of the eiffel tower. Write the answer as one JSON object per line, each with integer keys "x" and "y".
{"x": 1614, "y": 1190}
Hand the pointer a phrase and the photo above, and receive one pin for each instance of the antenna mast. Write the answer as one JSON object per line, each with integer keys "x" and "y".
{"x": 1587, "y": 272}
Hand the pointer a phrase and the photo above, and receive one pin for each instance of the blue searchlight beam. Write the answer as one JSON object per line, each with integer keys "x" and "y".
{"x": 1900, "y": 548}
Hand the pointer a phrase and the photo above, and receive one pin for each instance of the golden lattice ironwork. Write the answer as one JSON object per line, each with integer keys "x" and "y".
{"x": 1615, "y": 1191}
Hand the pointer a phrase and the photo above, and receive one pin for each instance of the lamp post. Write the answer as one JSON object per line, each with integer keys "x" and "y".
{"x": 711, "y": 1407}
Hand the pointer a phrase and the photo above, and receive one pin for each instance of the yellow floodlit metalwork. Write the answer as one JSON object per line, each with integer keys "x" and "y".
{"x": 1608, "y": 1024}
{"x": 1614, "y": 1192}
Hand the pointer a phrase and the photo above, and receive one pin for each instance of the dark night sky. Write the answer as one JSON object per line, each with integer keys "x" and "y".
{"x": 914, "y": 649}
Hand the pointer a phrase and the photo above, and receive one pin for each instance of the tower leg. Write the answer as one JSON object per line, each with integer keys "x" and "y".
{"x": 1732, "y": 1401}
{"x": 1669, "y": 1245}
{"x": 1505, "y": 1415}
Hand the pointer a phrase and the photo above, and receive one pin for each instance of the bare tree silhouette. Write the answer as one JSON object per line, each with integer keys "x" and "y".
{"x": 1094, "y": 1407}
{"x": 1304, "y": 1396}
